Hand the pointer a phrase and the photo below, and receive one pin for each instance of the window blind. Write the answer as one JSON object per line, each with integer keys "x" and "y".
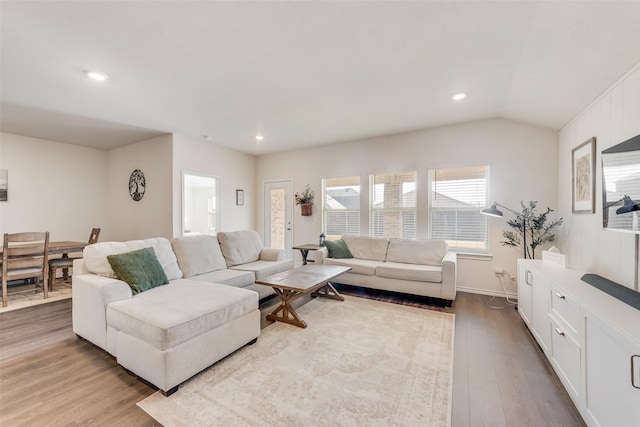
{"x": 393, "y": 204}
{"x": 456, "y": 197}
{"x": 341, "y": 206}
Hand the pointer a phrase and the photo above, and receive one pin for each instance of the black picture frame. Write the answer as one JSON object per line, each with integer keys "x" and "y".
{"x": 583, "y": 177}
{"x": 240, "y": 197}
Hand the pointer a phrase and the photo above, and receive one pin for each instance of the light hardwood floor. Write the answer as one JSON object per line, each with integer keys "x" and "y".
{"x": 49, "y": 377}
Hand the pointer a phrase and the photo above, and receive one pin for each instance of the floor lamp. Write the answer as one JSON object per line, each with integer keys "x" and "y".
{"x": 494, "y": 211}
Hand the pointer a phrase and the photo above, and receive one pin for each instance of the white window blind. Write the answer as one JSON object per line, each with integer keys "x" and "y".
{"x": 456, "y": 197}
{"x": 393, "y": 205}
{"x": 341, "y": 206}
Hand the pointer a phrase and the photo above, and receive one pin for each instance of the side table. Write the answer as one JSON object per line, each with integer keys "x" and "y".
{"x": 304, "y": 250}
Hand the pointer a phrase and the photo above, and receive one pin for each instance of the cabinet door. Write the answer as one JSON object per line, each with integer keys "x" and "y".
{"x": 525, "y": 278}
{"x": 613, "y": 375}
{"x": 540, "y": 305}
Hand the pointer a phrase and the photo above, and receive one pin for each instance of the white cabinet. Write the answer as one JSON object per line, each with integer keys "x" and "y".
{"x": 524, "y": 291}
{"x": 591, "y": 339}
{"x": 613, "y": 376}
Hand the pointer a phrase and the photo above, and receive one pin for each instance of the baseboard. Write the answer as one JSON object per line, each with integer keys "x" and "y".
{"x": 509, "y": 295}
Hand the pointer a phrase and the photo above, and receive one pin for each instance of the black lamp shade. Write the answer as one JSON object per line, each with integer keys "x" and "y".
{"x": 628, "y": 206}
{"x": 492, "y": 211}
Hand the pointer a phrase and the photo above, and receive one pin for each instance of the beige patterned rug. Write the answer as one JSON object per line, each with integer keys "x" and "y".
{"x": 358, "y": 363}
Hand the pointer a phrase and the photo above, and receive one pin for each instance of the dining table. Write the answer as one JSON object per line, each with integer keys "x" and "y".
{"x": 64, "y": 248}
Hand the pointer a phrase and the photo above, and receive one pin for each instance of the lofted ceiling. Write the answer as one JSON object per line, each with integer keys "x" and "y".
{"x": 302, "y": 73}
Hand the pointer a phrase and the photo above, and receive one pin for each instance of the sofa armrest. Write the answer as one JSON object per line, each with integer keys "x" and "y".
{"x": 449, "y": 275}
{"x": 91, "y": 294}
{"x": 272, "y": 254}
{"x": 320, "y": 255}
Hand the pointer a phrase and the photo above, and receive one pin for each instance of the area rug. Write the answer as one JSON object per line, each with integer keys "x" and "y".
{"x": 61, "y": 291}
{"x": 358, "y": 363}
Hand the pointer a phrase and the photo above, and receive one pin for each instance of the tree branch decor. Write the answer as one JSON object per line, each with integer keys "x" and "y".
{"x": 530, "y": 229}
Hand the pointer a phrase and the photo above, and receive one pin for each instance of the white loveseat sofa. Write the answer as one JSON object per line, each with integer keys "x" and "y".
{"x": 419, "y": 267}
{"x": 167, "y": 334}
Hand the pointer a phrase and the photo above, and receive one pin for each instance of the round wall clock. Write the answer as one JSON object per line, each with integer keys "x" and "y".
{"x": 137, "y": 185}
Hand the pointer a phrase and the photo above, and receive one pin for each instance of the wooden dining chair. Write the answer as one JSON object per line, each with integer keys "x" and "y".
{"x": 25, "y": 256}
{"x": 66, "y": 263}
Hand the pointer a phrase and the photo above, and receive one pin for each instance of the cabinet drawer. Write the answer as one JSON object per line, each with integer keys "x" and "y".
{"x": 568, "y": 310}
{"x": 566, "y": 357}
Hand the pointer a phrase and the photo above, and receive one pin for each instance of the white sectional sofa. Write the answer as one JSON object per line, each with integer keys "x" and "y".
{"x": 419, "y": 267}
{"x": 168, "y": 333}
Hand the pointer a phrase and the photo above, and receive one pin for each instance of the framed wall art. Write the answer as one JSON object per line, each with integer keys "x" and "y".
{"x": 240, "y": 197}
{"x": 4, "y": 185}
{"x": 583, "y": 177}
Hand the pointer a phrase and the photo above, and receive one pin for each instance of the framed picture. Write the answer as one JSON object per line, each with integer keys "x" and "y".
{"x": 583, "y": 176}
{"x": 240, "y": 197}
{"x": 4, "y": 185}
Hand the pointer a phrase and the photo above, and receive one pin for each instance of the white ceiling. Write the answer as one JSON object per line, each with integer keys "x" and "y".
{"x": 302, "y": 73}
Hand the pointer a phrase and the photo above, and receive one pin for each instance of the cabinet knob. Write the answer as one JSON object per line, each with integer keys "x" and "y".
{"x": 559, "y": 295}
{"x": 559, "y": 332}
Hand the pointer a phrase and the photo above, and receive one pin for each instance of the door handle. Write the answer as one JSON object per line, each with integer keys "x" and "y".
{"x": 559, "y": 295}
{"x": 559, "y": 332}
{"x": 633, "y": 370}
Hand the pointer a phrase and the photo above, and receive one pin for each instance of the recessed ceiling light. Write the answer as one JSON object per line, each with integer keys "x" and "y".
{"x": 459, "y": 96}
{"x": 96, "y": 75}
{"x": 259, "y": 137}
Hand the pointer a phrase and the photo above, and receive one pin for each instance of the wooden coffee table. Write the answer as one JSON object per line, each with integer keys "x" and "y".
{"x": 292, "y": 284}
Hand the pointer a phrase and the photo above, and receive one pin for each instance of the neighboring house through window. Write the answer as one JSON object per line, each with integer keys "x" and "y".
{"x": 455, "y": 198}
{"x": 341, "y": 206}
{"x": 393, "y": 204}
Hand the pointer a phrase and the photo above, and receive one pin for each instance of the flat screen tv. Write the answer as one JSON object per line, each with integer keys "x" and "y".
{"x": 621, "y": 179}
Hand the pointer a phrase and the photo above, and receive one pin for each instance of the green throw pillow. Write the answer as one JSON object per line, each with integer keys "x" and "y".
{"x": 337, "y": 249}
{"x": 140, "y": 269}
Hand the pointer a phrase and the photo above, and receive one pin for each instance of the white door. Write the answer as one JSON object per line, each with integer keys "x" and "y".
{"x": 278, "y": 215}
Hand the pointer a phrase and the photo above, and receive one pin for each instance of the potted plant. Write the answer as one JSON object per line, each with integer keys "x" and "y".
{"x": 305, "y": 200}
{"x": 530, "y": 229}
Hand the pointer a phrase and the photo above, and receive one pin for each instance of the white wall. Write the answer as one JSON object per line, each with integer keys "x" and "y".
{"x": 53, "y": 187}
{"x": 235, "y": 170}
{"x": 523, "y": 163}
{"x": 612, "y": 118}
{"x": 151, "y": 216}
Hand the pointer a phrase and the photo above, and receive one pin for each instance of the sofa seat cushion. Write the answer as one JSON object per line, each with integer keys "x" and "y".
{"x": 227, "y": 276}
{"x": 364, "y": 247}
{"x": 263, "y": 269}
{"x": 180, "y": 311}
{"x": 365, "y": 267}
{"x": 414, "y": 272}
{"x": 411, "y": 251}
{"x": 198, "y": 254}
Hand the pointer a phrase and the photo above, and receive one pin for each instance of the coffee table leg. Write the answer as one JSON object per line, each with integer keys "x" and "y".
{"x": 288, "y": 314}
{"x": 328, "y": 291}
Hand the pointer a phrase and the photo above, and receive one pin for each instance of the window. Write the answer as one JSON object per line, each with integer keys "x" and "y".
{"x": 341, "y": 206}
{"x": 456, "y": 197}
{"x": 393, "y": 205}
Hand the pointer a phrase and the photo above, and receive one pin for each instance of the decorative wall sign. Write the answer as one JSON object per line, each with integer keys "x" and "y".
{"x": 4, "y": 185}
{"x": 137, "y": 185}
{"x": 583, "y": 173}
{"x": 240, "y": 197}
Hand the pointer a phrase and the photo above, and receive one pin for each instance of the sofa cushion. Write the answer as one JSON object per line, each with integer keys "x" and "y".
{"x": 262, "y": 269}
{"x": 415, "y": 272}
{"x": 139, "y": 269}
{"x": 363, "y": 247}
{"x": 198, "y": 254}
{"x": 426, "y": 251}
{"x": 95, "y": 255}
{"x": 365, "y": 267}
{"x": 337, "y": 249}
{"x": 240, "y": 247}
{"x": 227, "y": 277}
{"x": 180, "y": 311}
